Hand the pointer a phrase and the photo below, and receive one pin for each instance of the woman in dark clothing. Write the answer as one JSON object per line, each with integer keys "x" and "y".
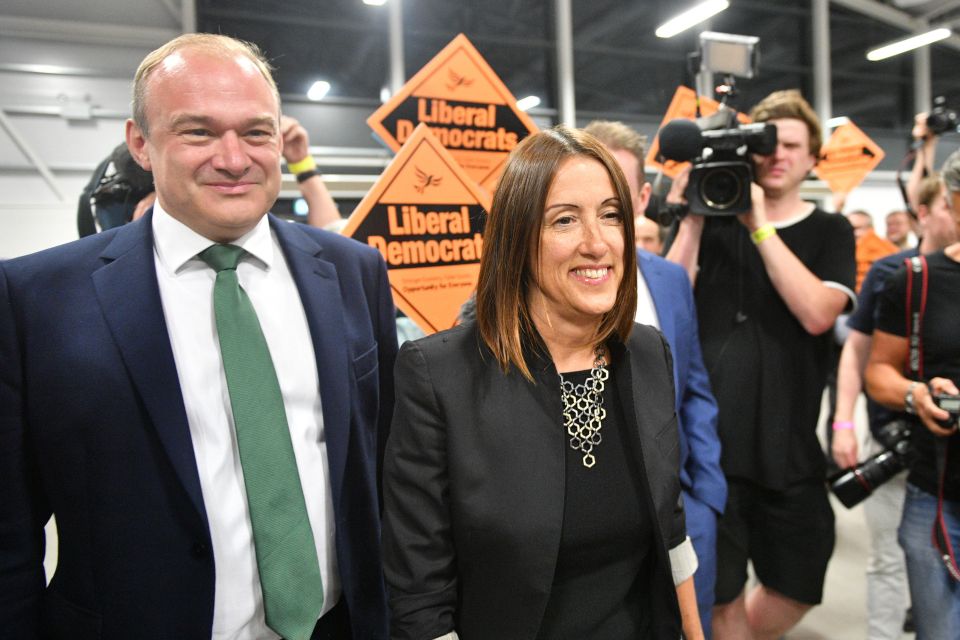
{"x": 531, "y": 479}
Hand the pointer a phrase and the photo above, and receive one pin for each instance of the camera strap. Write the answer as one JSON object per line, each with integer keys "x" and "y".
{"x": 916, "y": 305}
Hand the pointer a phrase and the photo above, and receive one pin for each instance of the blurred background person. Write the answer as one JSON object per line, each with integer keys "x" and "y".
{"x": 650, "y": 235}
{"x": 899, "y": 228}
{"x": 531, "y": 483}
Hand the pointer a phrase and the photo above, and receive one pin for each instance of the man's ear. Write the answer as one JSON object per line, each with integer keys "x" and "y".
{"x": 643, "y": 198}
{"x": 137, "y": 145}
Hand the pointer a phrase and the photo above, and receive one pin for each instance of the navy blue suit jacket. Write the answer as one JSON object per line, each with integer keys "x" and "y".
{"x": 700, "y": 472}
{"x": 93, "y": 429}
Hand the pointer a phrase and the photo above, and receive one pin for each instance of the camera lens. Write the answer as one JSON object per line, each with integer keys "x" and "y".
{"x": 720, "y": 188}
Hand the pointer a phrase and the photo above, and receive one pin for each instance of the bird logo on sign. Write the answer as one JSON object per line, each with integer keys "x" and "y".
{"x": 425, "y": 180}
{"x": 457, "y": 80}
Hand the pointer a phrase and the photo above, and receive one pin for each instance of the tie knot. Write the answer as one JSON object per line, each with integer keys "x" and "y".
{"x": 222, "y": 256}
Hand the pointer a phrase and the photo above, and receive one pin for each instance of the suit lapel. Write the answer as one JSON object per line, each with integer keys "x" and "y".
{"x": 127, "y": 290}
{"x": 659, "y": 291}
{"x": 319, "y": 288}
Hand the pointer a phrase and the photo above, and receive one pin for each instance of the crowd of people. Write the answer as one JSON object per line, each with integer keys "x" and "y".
{"x": 214, "y": 407}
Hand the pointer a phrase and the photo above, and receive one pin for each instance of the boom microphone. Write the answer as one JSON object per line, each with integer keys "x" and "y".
{"x": 681, "y": 140}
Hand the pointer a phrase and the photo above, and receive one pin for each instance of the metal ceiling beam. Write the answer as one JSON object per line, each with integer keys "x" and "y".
{"x": 944, "y": 7}
{"x": 188, "y": 16}
{"x": 565, "y": 81}
{"x": 84, "y": 32}
{"x": 893, "y": 17}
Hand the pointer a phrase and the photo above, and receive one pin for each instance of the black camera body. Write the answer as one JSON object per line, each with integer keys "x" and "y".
{"x": 720, "y": 178}
{"x": 720, "y": 152}
{"x": 853, "y": 485}
{"x": 941, "y": 118}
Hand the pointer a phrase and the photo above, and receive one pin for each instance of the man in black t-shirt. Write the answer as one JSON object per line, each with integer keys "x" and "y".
{"x": 769, "y": 285}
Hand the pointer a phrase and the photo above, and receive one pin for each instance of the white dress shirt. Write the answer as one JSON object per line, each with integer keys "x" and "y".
{"x": 646, "y": 310}
{"x": 186, "y": 290}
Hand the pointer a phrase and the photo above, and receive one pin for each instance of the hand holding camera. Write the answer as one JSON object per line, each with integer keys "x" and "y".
{"x": 938, "y": 405}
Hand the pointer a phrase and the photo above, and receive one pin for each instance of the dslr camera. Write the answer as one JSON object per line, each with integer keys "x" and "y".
{"x": 854, "y": 485}
{"x": 720, "y": 150}
{"x": 941, "y": 118}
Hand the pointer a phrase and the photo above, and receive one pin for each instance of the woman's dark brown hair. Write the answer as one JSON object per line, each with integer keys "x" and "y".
{"x": 511, "y": 242}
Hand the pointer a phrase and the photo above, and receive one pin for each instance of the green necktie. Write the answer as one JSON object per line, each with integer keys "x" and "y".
{"x": 286, "y": 555}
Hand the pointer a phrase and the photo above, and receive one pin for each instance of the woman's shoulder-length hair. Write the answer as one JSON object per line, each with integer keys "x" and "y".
{"x": 512, "y": 238}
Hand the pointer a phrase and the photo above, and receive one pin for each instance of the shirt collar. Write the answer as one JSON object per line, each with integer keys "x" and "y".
{"x": 177, "y": 244}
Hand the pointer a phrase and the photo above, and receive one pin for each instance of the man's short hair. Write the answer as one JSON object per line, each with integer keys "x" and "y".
{"x": 861, "y": 212}
{"x": 618, "y": 136}
{"x": 950, "y": 172}
{"x": 207, "y": 42}
{"x": 790, "y": 104}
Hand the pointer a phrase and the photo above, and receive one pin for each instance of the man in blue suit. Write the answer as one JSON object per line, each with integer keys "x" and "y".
{"x": 119, "y": 410}
{"x": 665, "y": 300}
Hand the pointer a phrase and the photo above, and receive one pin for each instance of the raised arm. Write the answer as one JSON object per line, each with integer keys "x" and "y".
{"x": 322, "y": 210}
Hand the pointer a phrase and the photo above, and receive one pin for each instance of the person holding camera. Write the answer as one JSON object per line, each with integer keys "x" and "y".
{"x": 887, "y": 595}
{"x": 769, "y": 285}
{"x": 916, "y": 334}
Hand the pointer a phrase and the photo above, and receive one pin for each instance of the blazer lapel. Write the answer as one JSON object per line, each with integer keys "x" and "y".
{"x": 129, "y": 296}
{"x": 659, "y": 291}
{"x": 321, "y": 297}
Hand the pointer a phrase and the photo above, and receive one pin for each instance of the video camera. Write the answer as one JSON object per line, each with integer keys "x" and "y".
{"x": 718, "y": 146}
{"x": 719, "y": 183}
{"x": 854, "y": 485}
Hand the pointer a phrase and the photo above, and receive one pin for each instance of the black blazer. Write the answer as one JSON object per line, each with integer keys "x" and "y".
{"x": 474, "y": 485}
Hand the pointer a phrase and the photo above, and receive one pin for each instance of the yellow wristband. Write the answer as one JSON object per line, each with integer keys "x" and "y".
{"x": 763, "y": 233}
{"x": 307, "y": 164}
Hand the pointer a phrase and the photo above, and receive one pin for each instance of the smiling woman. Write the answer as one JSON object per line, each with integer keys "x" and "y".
{"x": 531, "y": 481}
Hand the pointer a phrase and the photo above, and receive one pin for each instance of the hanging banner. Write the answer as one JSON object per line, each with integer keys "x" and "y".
{"x": 426, "y": 216}
{"x": 467, "y": 107}
{"x": 683, "y": 105}
{"x": 847, "y": 157}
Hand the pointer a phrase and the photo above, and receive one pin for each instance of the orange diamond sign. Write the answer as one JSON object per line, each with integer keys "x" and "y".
{"x": 847, "y": 157}
{"x": 426, "y": 216}
{"x": 468, "y": 108}
{"x": 683, "y": 105}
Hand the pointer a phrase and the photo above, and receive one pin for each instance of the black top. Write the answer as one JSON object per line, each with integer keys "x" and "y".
{"x": 940, "y": 354}
{"x": 766, "y": 371}
{"x": 601, "y": 585}
{"x": 864, "y": 320}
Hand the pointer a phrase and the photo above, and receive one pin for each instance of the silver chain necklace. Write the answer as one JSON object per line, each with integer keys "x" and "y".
{"x": 583, "y": 411}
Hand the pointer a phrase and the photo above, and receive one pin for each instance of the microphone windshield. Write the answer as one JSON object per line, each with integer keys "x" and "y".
{"x": 681, "y": 140}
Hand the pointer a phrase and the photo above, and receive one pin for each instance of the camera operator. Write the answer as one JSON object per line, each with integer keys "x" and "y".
{"x": 769, "y": 285}
{"x": 934, "y": 470}
{"x": 887, "y": 595}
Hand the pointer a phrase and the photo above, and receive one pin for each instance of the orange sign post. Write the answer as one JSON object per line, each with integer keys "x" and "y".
{"x": 426, "y": 216}
{"x": 847, "y": 157}
{"x": 468, "y": 108}
{"x": 683, "y": 105}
